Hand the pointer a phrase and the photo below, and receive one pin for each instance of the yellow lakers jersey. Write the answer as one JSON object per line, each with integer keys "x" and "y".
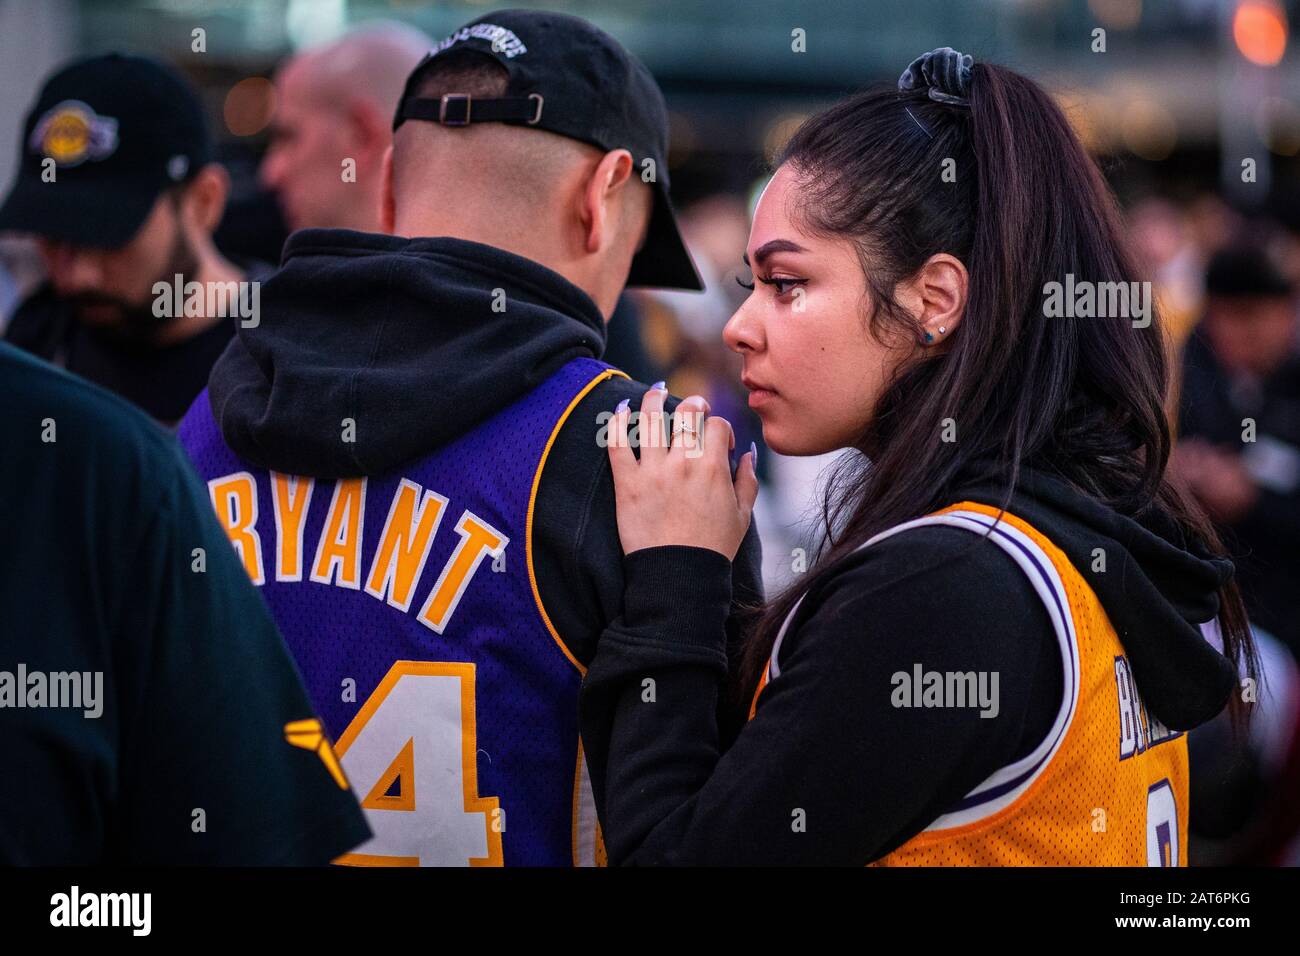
{"x": 1107, "y": 786}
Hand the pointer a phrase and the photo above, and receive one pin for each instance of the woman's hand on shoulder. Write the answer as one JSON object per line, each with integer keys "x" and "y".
{"x": 681, "y": 491}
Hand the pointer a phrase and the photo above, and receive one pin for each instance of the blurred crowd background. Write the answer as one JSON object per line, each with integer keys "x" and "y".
{"x": 1192, "y": 107}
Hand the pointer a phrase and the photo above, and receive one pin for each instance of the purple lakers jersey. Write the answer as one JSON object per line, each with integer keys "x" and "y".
{"x": 410, "y": 604}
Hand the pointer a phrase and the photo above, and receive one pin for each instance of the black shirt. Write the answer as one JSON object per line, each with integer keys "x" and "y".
{"x": 112, "y": 563}
{"x": 162, "y": 380}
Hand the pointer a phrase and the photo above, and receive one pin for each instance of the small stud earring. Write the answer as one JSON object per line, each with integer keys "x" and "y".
{"x": 929, "y": 337}
{"x": 942, "y": 330}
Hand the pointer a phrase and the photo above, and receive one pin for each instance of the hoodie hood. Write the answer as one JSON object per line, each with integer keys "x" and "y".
{"x": 1157, "y": 589}
{"x": 398, "y": 344}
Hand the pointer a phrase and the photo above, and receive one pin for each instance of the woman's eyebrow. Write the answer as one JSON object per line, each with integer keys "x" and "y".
{"x": 775, "y": 245}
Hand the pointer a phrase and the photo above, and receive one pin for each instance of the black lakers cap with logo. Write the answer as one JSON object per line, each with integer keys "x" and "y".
{"x": 570, "y": 78}
{"x": 106, "y": 136}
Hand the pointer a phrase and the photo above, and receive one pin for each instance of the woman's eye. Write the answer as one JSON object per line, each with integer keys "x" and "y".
{"x": 783, "y": 285}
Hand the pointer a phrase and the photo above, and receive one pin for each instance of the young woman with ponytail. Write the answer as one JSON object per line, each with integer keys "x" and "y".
{"x": 995, "y": 657}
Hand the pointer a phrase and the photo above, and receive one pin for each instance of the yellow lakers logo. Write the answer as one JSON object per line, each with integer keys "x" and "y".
{"x": 309, "y": 735}
{"x": 72, "y": 132}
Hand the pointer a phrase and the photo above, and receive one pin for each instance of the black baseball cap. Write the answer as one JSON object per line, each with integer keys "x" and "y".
{"x": 120, "y": 129}
{"x": 568, "y": 77}
{"x": 1245, "y": 272}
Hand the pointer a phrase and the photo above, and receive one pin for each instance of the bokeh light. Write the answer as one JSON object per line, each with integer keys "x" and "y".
{"x": 1116, "y": 14}
{"x": 1278, "y": 122}
{"x": 249, "y": 106}
{"x": 1150, "y": 130}
{"x": 1260, "y": 31}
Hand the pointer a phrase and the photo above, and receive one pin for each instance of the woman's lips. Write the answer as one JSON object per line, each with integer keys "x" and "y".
{"x": 758, "y": 397}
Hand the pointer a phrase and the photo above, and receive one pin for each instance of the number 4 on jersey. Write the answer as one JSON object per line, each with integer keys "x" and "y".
{"x": 412, "y": 749}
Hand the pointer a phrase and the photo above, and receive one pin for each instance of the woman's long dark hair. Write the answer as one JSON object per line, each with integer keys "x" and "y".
{"x": 1084, "y": 398}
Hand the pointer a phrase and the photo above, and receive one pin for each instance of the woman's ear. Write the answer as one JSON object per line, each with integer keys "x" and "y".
{"x": 936, "y": 296}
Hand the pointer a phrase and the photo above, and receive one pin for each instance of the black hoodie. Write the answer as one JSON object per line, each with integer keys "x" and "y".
{"x": 826, "y": 739}
{"x": 401, "y": 336}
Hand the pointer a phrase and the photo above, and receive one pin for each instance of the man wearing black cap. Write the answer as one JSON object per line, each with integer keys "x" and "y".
{"x": 447, "y": 555}
{"x": 1239, "y": 446}
{"x": 117, "y": 184}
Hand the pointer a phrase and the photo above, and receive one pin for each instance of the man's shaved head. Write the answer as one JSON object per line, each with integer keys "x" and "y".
{"x": 372, "y": 61}
{"x": 507, "y": 172}
{"x": 335, "y": 104}
{"x": 525, "y": 190}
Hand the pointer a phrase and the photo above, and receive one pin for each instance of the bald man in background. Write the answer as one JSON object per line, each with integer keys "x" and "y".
{"x": 335, "y": 103}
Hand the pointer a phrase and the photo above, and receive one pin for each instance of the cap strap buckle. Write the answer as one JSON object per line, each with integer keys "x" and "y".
{"x": 457, "y": 119}
{"x": 462, "y": 109}
{"x": 540, "y": 101}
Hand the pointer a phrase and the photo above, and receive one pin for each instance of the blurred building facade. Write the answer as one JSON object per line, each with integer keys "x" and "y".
{"x": 1165, "y": 79}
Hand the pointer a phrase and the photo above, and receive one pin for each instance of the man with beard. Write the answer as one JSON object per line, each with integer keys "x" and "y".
{"x": 117, "y": 185}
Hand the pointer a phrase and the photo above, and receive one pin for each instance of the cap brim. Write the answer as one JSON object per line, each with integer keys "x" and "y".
{"x": 80, "y": 212}
{"x": 664, "y": 262}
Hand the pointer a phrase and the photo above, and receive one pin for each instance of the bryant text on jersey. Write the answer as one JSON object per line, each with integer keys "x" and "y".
{"x": 397, "y": 563}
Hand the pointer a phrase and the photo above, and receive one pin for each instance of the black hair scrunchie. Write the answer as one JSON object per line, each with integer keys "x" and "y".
{"x": 944, "y": 73}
